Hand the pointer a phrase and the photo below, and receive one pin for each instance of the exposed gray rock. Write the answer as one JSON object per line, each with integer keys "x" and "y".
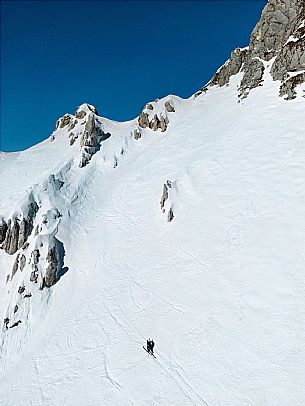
{"x": 10, "y": 244}
{"x": 280, "y": 20}
{"x": 164, "y": 196}
{"x": 143, "y": 120}
{"x": 169, "y": 107}
{"x": 35, "y": 256}
{"x": 137, "y": 134}
{"x": 170, "y": 215}
{"x": 91, "y": 140}
{"x": 158, "y": 123}
{"x": 149, "y": 106}
{"x": 288, "y": 88}
{"x": 55, "y": 268}
{"x": 253, "y": 76}
{"x": 230, "y": 68}
{"x": 154, "y": 123}
{"x": 3, "y": 229}
{"x": 21, "y": 289}
{"x": 28, "y": 295}
{"x": 22, "y": 233}
{"x": 290, "y": 59}
{"x": 22, "y": 262}
{"x": 15, "y": 308}
{"x": 50, "y": 277}
{"x": 63, "y": 121}
{"x": 26, "y": 224}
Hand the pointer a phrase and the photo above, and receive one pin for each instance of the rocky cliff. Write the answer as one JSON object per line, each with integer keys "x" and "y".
{"x": 277, "y": 43}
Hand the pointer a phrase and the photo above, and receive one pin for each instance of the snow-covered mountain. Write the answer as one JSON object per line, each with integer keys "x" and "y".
{"x": 186, "y": 225}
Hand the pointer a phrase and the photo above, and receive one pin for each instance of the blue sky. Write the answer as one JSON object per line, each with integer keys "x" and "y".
{"x": 116, "y": 55}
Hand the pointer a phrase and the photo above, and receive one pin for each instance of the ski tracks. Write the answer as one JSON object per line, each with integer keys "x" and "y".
{"x": 185, "y": 387}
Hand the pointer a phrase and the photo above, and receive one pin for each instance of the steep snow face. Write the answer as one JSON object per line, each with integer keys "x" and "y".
{"x": 192, "y": 236}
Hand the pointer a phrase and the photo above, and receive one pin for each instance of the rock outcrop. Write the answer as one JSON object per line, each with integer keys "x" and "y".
{"x": 253, "y": 76}
{"x": 143, "y": 120}
{"x": 137, "y": 134}
{"x": 91, "y": 139}
{"x": 22, "y": 262}
{"x": 10, "y": 244}
{"x": 164, "y": 196}
{"x": 166, "y": 201}
{"x": 55, "y": 268}
{"x": 230, "y": 68}
{"x": 19, "y": 228}
{"x": 155, "y": 115}
{"x": 170, "y": 215}
{"x": 288, "y": 87}
{"x": 3, "y": 229}
{"x": 169, "y": 107}
{"x": 64, "y": 121}
{"x": 155, "y": 123}
{"x": 279, "y": 35}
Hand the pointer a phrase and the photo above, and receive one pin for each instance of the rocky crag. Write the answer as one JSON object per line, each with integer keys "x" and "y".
{"x": 277, "y": 43}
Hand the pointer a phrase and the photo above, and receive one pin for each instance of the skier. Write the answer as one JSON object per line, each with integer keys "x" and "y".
{"x": 148, "y": 346}
{"x": 152, "y": 344}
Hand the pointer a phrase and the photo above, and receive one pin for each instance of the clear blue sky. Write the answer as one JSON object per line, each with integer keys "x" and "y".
{"x": 116, "y": 55}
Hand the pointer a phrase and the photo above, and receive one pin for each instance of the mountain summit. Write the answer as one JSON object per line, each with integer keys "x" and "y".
{"x": 184, "y": 224}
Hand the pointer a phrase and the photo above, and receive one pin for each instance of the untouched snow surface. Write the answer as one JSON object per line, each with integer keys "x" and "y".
{"x": 220, "y": 289}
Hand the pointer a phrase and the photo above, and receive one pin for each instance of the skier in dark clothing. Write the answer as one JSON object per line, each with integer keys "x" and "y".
{"x": 150, "y": 346}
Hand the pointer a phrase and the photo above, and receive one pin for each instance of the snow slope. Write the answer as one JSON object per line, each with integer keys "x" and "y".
{"x": 220, "y": 288}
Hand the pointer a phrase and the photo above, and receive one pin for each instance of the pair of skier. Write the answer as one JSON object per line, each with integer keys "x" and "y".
{"x": 150, "y": 346}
